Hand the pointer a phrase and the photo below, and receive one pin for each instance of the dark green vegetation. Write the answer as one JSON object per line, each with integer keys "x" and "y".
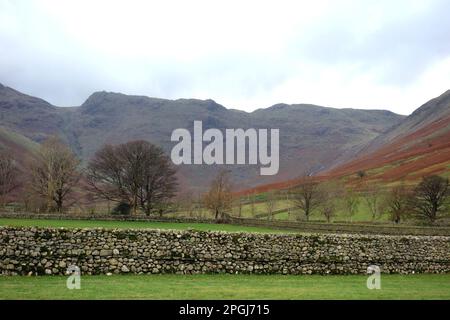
{"x": 227, "y": 287}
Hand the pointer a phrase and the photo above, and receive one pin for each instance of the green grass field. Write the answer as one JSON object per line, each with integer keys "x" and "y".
{"x": 226, "y": 287}
{"x": 212, "y": 286}
{"x": 133, "y": 225}
{"x": 362, "y": 213}
{"x": 260, "y": 208}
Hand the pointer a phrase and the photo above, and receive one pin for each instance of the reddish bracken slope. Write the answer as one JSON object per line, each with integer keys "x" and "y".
{"x": 417, "y": 147}
{"x": 409, "y": 157}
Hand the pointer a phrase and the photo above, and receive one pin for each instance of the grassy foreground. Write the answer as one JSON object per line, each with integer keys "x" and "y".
{"x": 172, "y": 287}
{"x": 133, "y": 225}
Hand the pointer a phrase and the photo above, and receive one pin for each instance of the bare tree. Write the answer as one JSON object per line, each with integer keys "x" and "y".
{"x": 8, "y": 176}
{"x": 137, "y": 173}
{"x": 351, "y": 202}
{"x": 306, "y": 196}
{"x": 270, "y": 204}
{"x": 238, "y": 202}
{"x": 54, "y": 173}
{"x": 162, "y": 206}
{"x": 199, "y": 205}
{"x": 361, "y": 174}
{"x": 328, "y": 210}
{"x": 32, "y": 201}
{"x": 288, "y": 200}
{"x": 330, "y": 194}
{"x": 371, "y": 196}
{"x": 252, "y": 204}
{"x": 219, "y": 198}
{"x": 186, "y": 203}
{"x": 429, "y": 197}
{"x": 396, "y": 203}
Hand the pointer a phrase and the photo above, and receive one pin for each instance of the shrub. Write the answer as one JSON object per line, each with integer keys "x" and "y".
{"x": 122, "y": 208}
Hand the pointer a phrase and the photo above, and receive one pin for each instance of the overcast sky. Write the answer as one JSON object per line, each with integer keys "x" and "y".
{"x": 391, "y": 54}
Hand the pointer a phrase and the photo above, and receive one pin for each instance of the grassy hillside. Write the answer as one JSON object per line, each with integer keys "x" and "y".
{"x": 16, "y": 145}
{"x": 15, "y": 140}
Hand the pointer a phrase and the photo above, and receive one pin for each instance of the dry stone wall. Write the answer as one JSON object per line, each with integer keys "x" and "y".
{"x": 25, "y": 250}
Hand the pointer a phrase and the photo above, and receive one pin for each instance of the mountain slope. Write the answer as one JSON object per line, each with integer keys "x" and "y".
{"x": 418, "y": 146}
{"x": 16, "y": 145}
{"x": 430, "y": 112}
{"x": 21, "y": 149}
{"x": 33, "y": 117}
{"x": 312, "y": 138}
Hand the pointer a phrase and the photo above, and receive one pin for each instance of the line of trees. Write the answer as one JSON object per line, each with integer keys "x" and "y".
{"x": 428, "y": 200}
{"x": 136, "y": 176}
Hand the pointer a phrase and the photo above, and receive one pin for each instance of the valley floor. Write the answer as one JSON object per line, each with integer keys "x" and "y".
{"x": 133, "y": 225}
{"x": 225, "y": 286}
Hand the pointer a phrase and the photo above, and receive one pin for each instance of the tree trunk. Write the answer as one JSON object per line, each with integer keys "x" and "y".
{"x": 135, "y": 206}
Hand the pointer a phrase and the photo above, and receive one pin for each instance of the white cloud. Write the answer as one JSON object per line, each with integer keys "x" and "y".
{"x": 243, "y": 54}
